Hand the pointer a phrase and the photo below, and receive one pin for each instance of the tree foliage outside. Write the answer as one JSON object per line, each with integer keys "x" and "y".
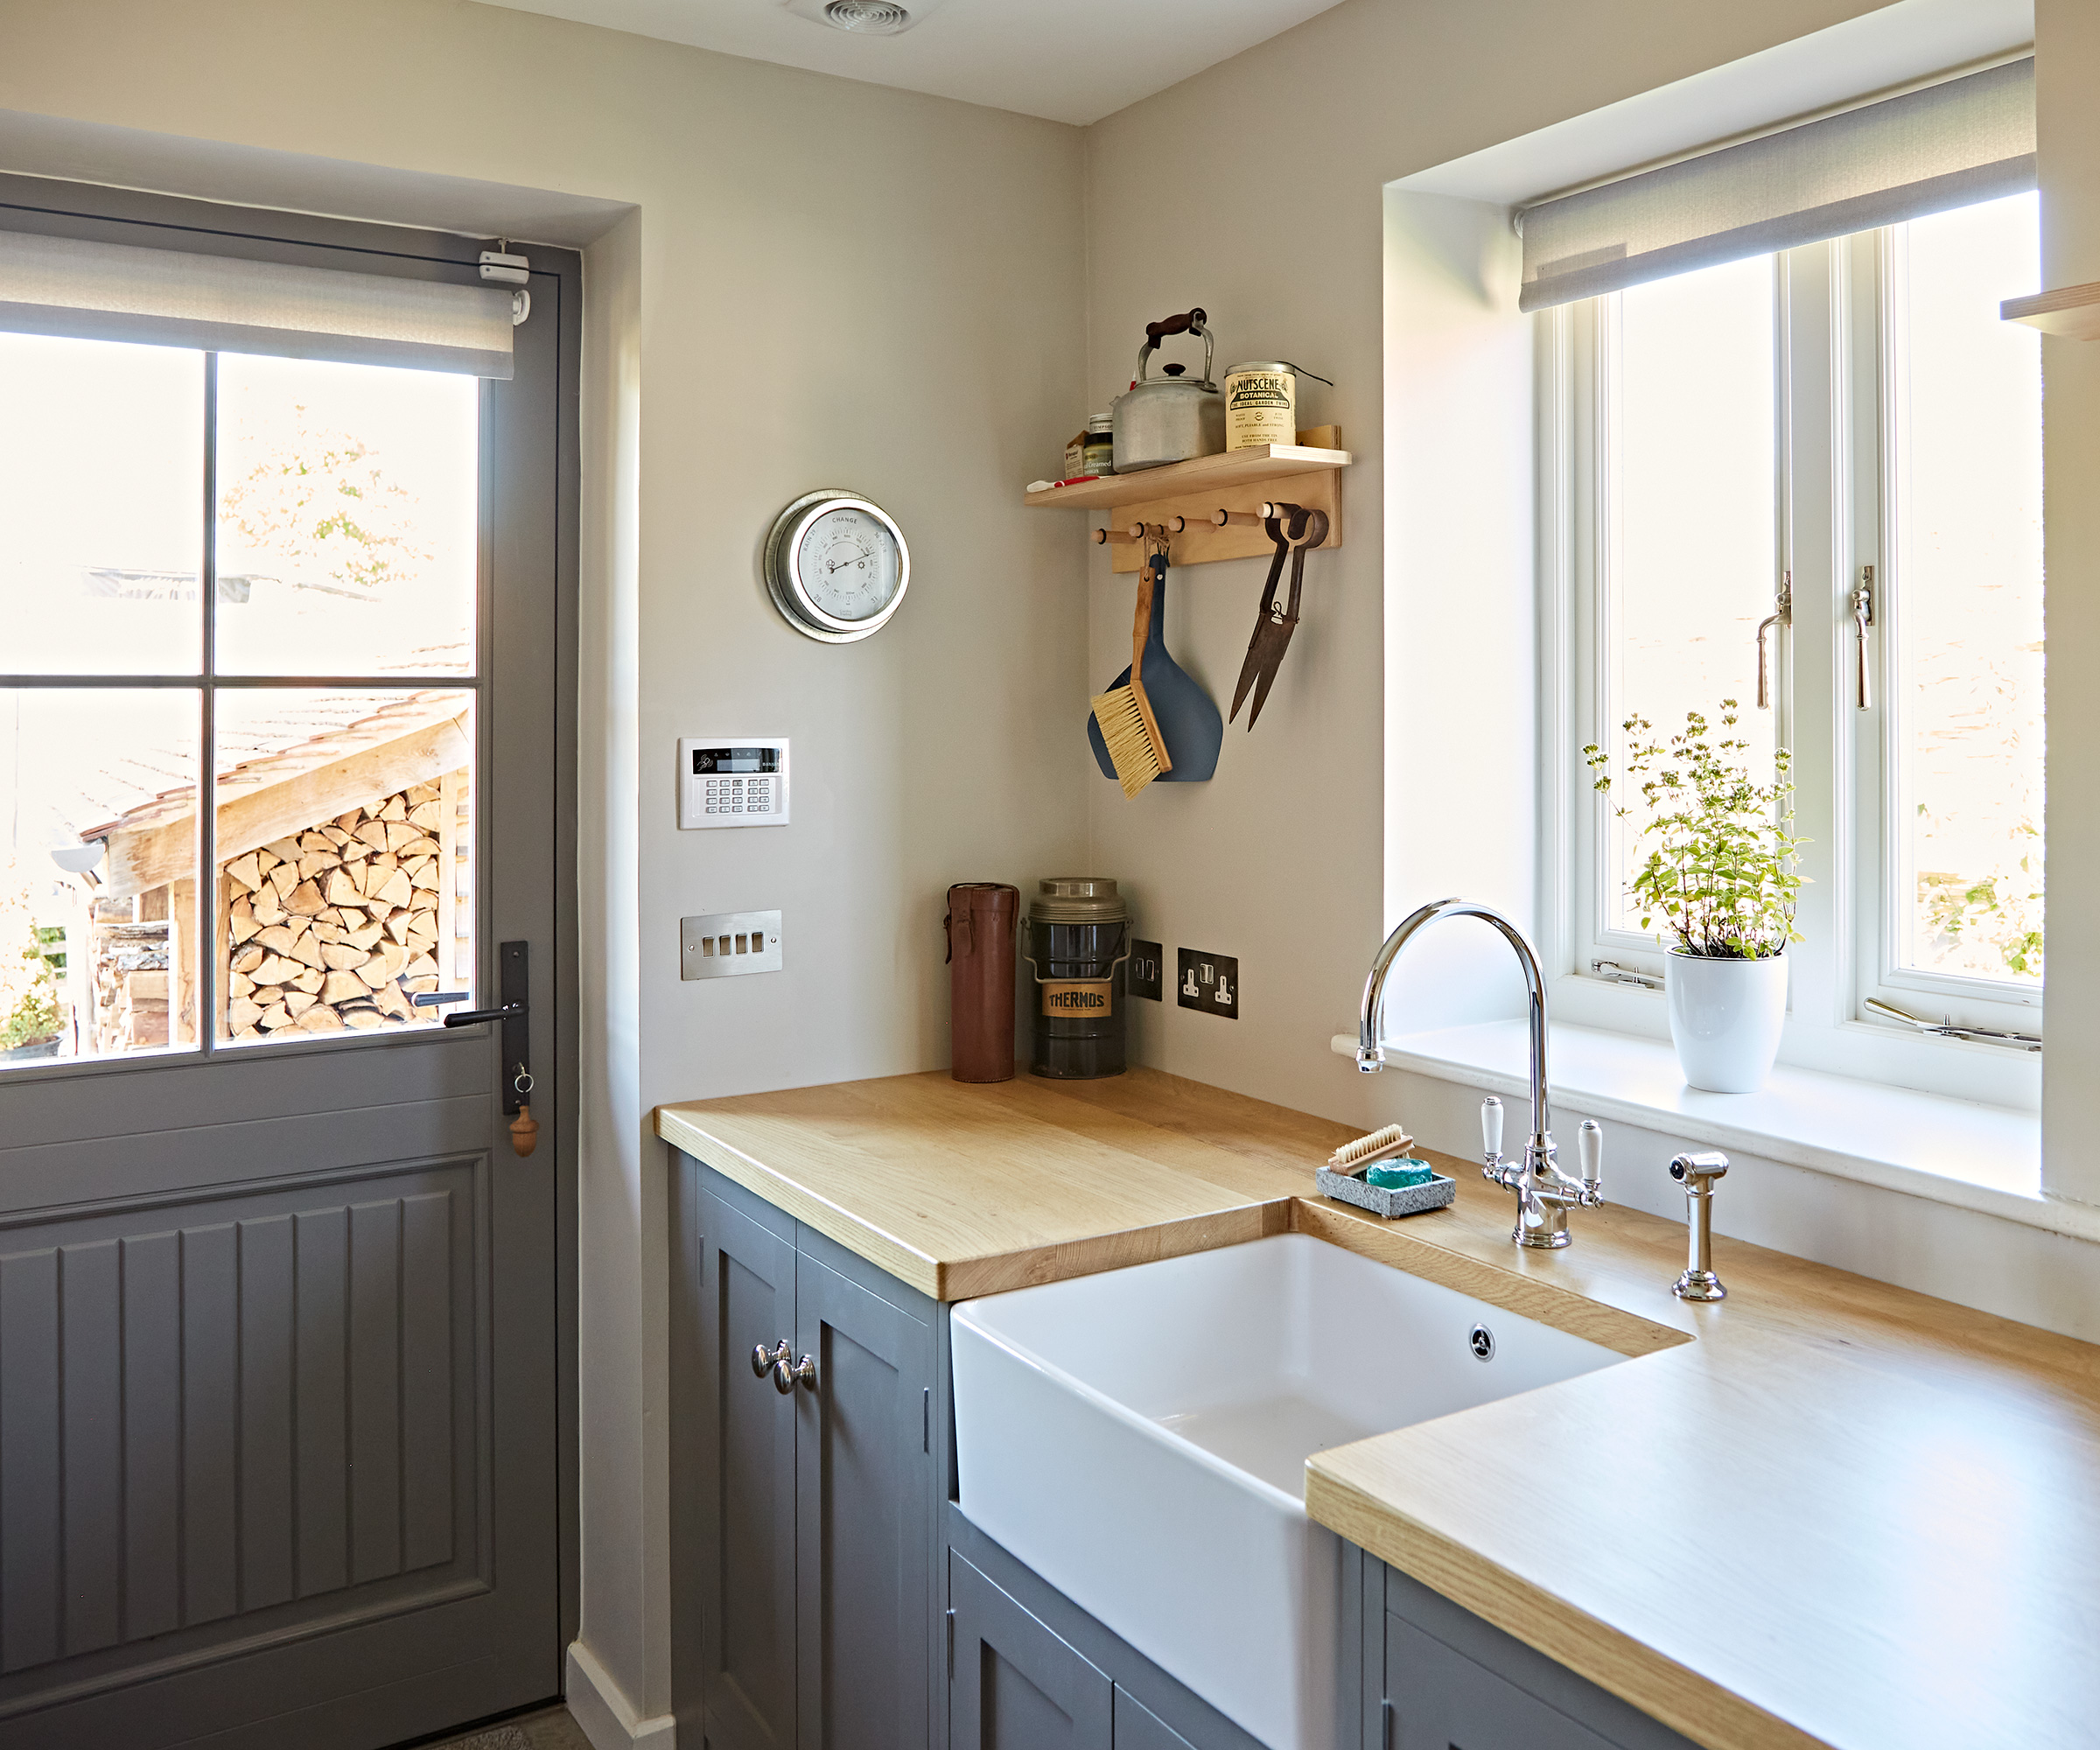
{"x": 1722, "y": 868}
{"x": 32, "y": 958}
{"x": 320, "y": 499}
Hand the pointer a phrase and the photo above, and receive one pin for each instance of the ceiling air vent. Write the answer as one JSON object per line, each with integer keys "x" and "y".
{"x": 867, "y": 18}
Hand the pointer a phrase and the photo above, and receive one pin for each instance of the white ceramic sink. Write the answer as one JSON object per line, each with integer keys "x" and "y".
{"x": 1139, "y": 1439}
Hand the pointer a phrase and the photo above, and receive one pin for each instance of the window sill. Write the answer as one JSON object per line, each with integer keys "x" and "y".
{"x": 1986, "y": 1159}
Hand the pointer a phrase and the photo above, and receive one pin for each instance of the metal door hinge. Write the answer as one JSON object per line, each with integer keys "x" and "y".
{"x": 925, "y": 1420}
{"x": 951, "y": 1645}
{"x": 1620, "y": 975}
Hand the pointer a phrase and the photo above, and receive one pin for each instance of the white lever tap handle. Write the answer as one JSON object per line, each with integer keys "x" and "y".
{"x": 1491, "y": 1127}
{"x": 1589, "y": 1145}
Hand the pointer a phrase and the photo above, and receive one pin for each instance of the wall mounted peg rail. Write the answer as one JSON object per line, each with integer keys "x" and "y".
{"x": 1211, "y": 507}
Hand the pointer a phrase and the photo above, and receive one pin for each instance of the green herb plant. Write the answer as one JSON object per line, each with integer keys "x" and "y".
{"x": 1722, "y": 864}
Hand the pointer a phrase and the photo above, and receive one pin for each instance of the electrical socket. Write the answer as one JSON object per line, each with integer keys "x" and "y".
{"x": 1144, "y": 969}
{"x": 1208, "y": 982}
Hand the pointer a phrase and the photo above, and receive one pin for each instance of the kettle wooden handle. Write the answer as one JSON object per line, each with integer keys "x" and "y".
{"x": 1175, "y": 324}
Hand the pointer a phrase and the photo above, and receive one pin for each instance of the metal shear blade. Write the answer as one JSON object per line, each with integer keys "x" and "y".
{"x": 1272, "y": 628}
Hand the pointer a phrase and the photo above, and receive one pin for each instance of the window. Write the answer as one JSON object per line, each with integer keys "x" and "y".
{"x": 276, "y": 560}
{"x": 1841, "y": 432}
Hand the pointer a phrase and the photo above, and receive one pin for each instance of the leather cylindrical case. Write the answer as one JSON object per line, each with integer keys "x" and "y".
{"x": 981, "y": 921}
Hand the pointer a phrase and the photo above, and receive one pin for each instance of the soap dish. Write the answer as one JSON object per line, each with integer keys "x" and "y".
{"x": 1405, "y": 1200}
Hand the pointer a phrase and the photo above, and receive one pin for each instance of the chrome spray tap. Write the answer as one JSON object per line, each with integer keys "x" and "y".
{"x": 1544, "y": 1193}
{"x": 1697, "y": 1173}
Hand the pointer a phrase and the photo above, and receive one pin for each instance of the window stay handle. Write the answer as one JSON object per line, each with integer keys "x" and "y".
{"x": 1862, "y": 616}
{"x": 1781, "y": 614}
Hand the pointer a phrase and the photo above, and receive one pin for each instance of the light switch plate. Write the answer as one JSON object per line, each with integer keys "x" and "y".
{"x": 728, "y": 944}
{"x": 1144, "y": 975}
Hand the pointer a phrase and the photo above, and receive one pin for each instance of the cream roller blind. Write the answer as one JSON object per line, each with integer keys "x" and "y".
{"x": 1964, "y": 140}
{"x": 165, "y": 298}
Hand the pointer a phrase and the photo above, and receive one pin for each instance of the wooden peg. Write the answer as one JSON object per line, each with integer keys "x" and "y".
{"x": 1148, "y": 531}
{"x": 1113, "y": 537}
{"x": 1223, "y": 518}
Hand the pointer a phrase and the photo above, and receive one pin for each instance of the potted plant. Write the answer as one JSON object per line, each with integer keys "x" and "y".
{"x": 1721, "y": 874}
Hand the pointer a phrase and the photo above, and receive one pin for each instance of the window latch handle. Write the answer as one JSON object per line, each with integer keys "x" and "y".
{"x": 1781, "y": 614}
{"x": 1862, "y": 616}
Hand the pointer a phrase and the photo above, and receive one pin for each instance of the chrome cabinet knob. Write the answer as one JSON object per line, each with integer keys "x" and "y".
{"x": 763, "y": 1360}
{"x": 786, "y": 1373}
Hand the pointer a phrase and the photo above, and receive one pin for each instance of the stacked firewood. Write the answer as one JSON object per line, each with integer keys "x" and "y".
{"x": 337, "y": 925}
{"x": 130, "y": 979}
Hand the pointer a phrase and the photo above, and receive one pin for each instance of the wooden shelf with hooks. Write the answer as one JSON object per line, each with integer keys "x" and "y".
{"x": 1307, "y": 473}
{"x": 2073, "y": 312}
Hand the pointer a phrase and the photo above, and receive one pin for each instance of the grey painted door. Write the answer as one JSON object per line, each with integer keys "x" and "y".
{"x": 1016, "y": 1685}
{"x": 278, "y": 1315}
{"x": 747, "y": 1480}
{"x": 865, "y": 1482}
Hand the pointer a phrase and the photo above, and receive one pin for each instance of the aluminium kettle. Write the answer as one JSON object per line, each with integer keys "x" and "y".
{"x": 1172, "y": 417}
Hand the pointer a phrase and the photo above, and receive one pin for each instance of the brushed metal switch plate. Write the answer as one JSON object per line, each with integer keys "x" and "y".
{"x": 728, "y": 944}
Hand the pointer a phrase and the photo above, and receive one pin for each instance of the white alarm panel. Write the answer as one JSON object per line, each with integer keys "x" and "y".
{"x": 732, "y": 781}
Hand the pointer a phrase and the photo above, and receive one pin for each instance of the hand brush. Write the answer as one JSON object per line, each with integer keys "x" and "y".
{"x": 1127, "y": 728}
{"x": 1354, "y": 1157}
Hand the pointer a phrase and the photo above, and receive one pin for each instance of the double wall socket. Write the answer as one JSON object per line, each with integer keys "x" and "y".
{"x": 727, "y": 944}
{"x": 1208, "y": 982}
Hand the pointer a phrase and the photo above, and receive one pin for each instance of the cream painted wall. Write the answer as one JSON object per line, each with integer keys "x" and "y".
{"x": 1254, "y": 189}
{"x": 826, "y": 284}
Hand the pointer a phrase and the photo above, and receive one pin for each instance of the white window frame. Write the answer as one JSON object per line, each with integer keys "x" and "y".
{"x": 1834, "y": 512}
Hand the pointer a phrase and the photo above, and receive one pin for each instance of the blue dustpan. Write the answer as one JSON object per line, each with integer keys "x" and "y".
{"x": 1189, "y": 723}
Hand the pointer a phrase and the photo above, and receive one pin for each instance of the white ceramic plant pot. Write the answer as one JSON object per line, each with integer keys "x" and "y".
{"x": 1724, "y": 1019}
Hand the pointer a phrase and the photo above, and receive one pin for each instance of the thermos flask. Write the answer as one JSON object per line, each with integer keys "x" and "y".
{"x": 980, "y": 920}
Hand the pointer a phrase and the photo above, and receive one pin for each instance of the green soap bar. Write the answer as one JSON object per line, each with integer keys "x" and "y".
{"x": 1398, "y": 1175}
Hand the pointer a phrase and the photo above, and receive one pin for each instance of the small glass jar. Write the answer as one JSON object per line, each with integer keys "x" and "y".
{"x": 1101, "y": 444}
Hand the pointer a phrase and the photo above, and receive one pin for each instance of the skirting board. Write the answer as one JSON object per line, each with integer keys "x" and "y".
{"x": 606, "y": 1715}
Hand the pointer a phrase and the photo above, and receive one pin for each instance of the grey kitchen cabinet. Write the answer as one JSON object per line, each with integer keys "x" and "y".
{"x": 803, "y": 1521}
{"x": 1439, "y": 1679}
{"x": 1016, "y": 1684}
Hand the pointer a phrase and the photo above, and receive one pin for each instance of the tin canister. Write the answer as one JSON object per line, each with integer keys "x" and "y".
{"x": 1078, "y": 938}
{"x": 1260, "y": 404}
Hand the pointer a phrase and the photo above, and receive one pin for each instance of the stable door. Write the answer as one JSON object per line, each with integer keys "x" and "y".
{"x": 282, "y": 700}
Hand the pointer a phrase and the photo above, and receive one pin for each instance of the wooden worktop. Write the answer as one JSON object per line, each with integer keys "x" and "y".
{"x": 1824, "y": 1511}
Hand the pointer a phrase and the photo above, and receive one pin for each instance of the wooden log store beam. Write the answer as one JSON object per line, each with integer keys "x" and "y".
{"x": 153, "y": 856}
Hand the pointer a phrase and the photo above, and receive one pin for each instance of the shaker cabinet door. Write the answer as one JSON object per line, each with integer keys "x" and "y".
{"x": 1439, "y": 1699}
{"x": 747, "y": 1469}
{"x": 1016, "y": 1685}
{"x": 865, "y": 1488}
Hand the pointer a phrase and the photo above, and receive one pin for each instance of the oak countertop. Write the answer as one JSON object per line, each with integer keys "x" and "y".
{"x": 1824, "y": 1511}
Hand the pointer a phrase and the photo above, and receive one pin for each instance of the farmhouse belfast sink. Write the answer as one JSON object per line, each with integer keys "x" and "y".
{"x": 1139, "y": 1437}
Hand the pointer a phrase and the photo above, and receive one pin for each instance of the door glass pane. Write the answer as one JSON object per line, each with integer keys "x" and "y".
{"x": 1690, "y": 559}
{"x": 348, "y": 516}
{"x": 102, "y": 504}
{"x": 344, "y": 827}
{"x": 1966, "y": 589}
{"x": 98, "y": 872}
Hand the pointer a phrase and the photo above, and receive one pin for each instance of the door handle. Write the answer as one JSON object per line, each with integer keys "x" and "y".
{"x": 513, "y": 967}
{"x": 763, "y": 1360}
{"x": 786, "y": 1373}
